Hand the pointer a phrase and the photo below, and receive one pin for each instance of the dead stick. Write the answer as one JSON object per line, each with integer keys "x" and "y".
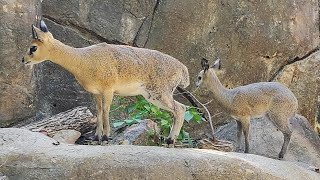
{"x": 209, "y": 115}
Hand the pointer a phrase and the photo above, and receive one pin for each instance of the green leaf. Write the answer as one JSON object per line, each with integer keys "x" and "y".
{"x": 154, "y": 109}
{"x": 138, "y": 120}
{"x": 147, "y": 107}
{"x": 188, "y": 116}
{"x": 130, "y": 121}
{"x": 180, "y": 136}
{"x": 186, "y": 135}
{"x": 131, "y": 107}
{"x": 164, "y": 122}
{"x": 118, "y": 124}
{"x": 197, "y": 118}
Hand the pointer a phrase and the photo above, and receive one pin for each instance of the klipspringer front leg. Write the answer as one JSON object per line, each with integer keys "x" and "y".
{"x": 106, "y": 101}
{"x": 99, "y": 128}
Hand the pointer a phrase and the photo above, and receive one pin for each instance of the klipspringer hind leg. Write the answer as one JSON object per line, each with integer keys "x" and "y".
{"x": 106, "y": 102}
{"x": 281, "y": 121}
{"x": 239, "y": 134}
{"x": 99, "y": 128}
{"x": 166, "y": 102}
{"x": 245, "y": 121}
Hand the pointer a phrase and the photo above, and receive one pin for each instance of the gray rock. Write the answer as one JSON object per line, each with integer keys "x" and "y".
{"x": 144, "y": 133}
{"x": 29, "y": 155}
{"x": 67, "y": 136}
{"x": 266, "y": 140}
{"x": 3, "y": 177}
{"x": 113, "y": 21}
{"x": 16, "y": 82}
{"x": 303, "y": 78}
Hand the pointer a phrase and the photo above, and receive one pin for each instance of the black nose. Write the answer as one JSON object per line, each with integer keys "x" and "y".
{"x": 23, "y": 59}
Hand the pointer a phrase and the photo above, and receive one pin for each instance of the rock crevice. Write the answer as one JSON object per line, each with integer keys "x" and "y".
{"x": 293, "y": 60}
{"x": 84, "y": 32}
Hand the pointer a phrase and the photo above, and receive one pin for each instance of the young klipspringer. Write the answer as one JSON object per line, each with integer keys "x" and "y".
{"x": 270, "y": 99}
{"x": 106, "y": 70}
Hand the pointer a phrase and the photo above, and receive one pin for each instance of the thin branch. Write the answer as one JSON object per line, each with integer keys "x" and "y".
{"x": 209, "y": 115}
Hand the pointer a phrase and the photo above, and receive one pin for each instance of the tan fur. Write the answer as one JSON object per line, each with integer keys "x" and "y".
{"x": 270, "y": 99}
{"x": 106, "y": 70}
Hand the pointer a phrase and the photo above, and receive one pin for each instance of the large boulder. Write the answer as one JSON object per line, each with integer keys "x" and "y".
{"x": 30, "y": 155}
{"x": 266, "y": 140}
{"x": 120, "y": 21}
{"x": 145, "y": 133}
{"x": 16, "y": 82}
{"x": 303, "y": 78}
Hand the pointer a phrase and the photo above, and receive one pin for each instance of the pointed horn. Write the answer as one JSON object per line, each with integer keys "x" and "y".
{"x": 43, "y": 26}
{"x": 34, "y": 33}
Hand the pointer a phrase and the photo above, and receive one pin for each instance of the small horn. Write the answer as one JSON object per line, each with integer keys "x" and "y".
{"x": 43, "y": 26}
{"x": 34, "y": 33}
{"x": 204, "y": 64}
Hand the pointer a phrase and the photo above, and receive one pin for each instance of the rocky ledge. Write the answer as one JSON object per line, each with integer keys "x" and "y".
{"x": 31, "y": 155}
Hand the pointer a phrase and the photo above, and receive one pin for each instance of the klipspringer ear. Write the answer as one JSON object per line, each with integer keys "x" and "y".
{"x": 204, "y": 64}
{"x": 217, "y": 64}
{"x": 43, "y": 26}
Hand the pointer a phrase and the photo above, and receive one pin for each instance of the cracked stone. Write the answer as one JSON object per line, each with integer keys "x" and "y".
{"x": 303, "y": 78}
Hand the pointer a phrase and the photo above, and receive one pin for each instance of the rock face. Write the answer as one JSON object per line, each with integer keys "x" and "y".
{"x": 67, "y": 136}
{"x": 2, "y": 177}
{"x": 43, "y": 160}
{"x": 266, "y": 140}
{"x": 303, "y": 78}
{"x": 144, "y": 133}
{"x": 16, "y": 83}
{"x": 79, "y": 119}
{"x": 253, "y": 40}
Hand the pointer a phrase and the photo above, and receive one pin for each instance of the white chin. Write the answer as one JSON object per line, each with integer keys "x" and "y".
{"x": 30, "y": 63}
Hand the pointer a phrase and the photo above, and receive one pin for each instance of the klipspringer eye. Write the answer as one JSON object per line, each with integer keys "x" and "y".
{"x": 33, "y": 49}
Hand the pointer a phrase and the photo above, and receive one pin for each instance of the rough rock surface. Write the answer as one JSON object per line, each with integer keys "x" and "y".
{"x": 3, "y": 177}
{"x": 303, "y": 78}
{"x": 139, "y": 134}
{"x": 79, "y": 119}
{"x": 29, "y": 155}
{"x": 67, "y": 136}
{"x": 16, "y": 84}
{"x": 266, "y": 140}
